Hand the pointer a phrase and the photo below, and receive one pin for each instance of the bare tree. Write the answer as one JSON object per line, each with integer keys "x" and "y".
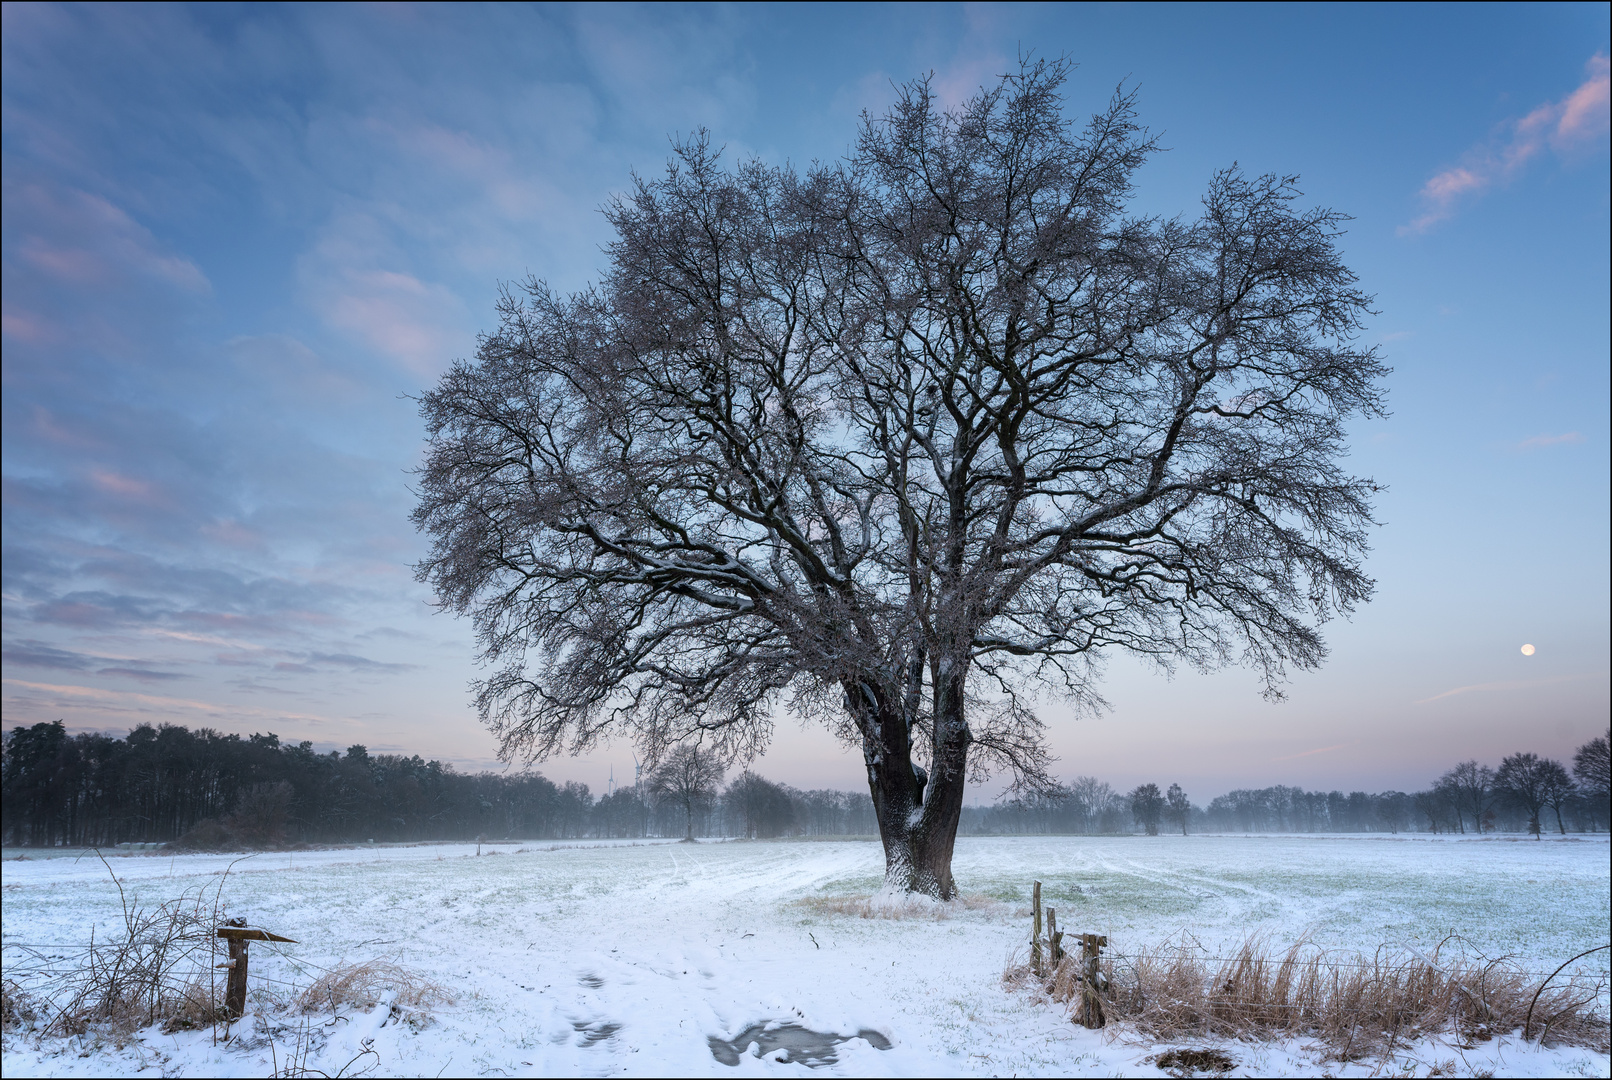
{"x": 1592, "y": 764}
{"x": 688, "y": 777}
{"x": 1147, "y": 805}
{"x": 1438, "y": 806}
{"x": 1470, "y": 789}
{"x": 1394, "y": 809}
{"x": 883, "y": 441}
{"x": 1526, "y": 781}
{"x": 765, "y": 807}
{"x": 1177, "y": 807}
{"x": 1092, "y": 798}
{"x": 1557, "y": 788}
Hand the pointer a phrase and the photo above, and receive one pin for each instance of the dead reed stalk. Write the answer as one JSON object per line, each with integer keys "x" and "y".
{"x": 1357, "y": 1005}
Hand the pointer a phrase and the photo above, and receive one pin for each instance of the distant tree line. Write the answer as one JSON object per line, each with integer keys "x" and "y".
{"x": 1526, "y": 793}
{"x": 206, "y": 790}
{"x": 203, "y": 789}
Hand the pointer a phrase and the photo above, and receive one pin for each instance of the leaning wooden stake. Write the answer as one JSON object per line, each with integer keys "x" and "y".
{"x": 1054, "y": 941}
{"x": 239, "y": 935}
{"x": 1089, "y": 1013}
{"x": 1035, "y": 932}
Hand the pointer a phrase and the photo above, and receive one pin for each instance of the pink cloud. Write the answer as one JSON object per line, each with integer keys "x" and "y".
{"x": 128, "y": 487}
{"x": 1476, "y": 688}
{"x": 399, "y": 316}
{"x": 1585, "y": 113}
{"x": 99, "y": 242}
{"x": 56, "y": 695}
{"x": 47, "y": 427}
{"x": 960, "y": 80}
{"x": 24, "y": 325}
{"x": 76, "y": 266}
{"x": 1490, "y": 687}
{"x": 1550, "y": 440}
{"x": 232, "y": 533}
{"x": 1571, "y": 124}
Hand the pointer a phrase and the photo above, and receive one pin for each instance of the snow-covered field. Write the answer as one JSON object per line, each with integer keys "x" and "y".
{"x": 627, "y": 958}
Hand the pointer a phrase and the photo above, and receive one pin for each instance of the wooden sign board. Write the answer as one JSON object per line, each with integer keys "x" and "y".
{"x": 245, "y": 933}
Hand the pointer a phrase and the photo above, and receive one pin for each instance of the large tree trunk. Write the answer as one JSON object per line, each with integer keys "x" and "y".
{"x": 918, "y": 810}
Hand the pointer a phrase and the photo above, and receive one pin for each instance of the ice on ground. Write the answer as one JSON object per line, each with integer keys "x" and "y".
{"x": 649, "y": 959}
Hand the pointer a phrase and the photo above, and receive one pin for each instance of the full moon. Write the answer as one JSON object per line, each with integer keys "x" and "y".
{"x": 1528, "y": 650}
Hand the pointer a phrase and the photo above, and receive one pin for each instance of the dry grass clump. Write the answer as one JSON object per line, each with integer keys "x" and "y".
{"x": 363, "y": 986}
{"x": 17, "y": 1006}
{"x": 1356, "y": 1005}
{"x": 1191, "y": 1062}
{"x": 883, "y": 906}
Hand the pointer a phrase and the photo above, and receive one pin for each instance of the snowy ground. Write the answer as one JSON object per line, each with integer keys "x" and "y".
{"x": 607, "y": 959}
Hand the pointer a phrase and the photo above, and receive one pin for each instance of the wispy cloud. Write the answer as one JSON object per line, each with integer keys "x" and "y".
{"x": 1575, "y": 122}
{"x": 1317, "y": 750}
{"x": 142, "y": 674}
{"x": 117, "y": 701}
{"x": 1476, "y": 688}
{"x": 1515, "y": 684}
{"x": 1537, "y": 441}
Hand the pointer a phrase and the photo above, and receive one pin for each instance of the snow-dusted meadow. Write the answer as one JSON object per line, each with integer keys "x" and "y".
{"x": 627, "y": 958}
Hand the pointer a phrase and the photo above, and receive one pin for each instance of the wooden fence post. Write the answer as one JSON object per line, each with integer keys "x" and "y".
{"x": 1035, "y": 932}
{"x": 1054, "y": 941}
{"x": 239, "y": 935}
{"x": 1090, "y": 1012}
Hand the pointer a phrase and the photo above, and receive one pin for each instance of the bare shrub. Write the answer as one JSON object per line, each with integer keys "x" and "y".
{"x": 1356, "y": 1005}
{"x": 208, "y": 834}
{"x": 260, "y": 815}
{"x": 363, "y": 986}
{"x": 159, "y": 969}
{"x": 258, "y": 821}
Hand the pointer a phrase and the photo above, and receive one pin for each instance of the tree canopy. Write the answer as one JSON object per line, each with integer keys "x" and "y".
{"x": 893, "y": 439}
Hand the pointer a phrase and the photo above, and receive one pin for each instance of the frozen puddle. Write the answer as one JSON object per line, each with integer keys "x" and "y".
{"x": 800, "y": 1045}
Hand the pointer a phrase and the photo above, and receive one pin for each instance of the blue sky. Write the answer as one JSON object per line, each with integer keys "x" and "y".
{"x": 237, "y": 238}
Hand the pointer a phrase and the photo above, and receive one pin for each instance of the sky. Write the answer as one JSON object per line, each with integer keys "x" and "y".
{"x": 237, "y": 241}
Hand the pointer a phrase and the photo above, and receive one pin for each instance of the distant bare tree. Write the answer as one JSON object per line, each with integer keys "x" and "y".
{"x": 893, "y": 440}
{"x": 1557, "y": 788}
{"x": 765, "y": 807}
{"x": 1470, "y": 788}
{"x": 1438, "y": 806}
{"x": 1093, "y": 800}
{"x": 1394, "y": 809}
{"x": 688, "y": 777}
{"x": 1177, "y": 807}
{"x": 1147, "y": 805}
{"x": 1526, "y": 780}
{"x": 1592, "y": 764}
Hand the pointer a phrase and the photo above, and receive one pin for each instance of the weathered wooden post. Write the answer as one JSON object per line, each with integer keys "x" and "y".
{"x": 1035, "y": 931}
{"x": 1054, "y": 941}
{"x": 1090, "y": 1012}
{"x": 238, "y": 935}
